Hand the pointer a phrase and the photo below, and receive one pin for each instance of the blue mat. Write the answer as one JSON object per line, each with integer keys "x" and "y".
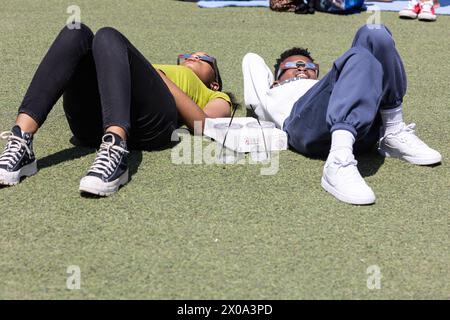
{"x": 371, "y": 5}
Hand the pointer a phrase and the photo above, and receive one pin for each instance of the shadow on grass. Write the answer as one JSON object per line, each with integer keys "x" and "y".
{"x": 369, "y": 163}
{"x": 63, "y": 155}
{"x": 134, "y": 161}
{"x": 59, "y": 157}
{"x": 135, "y": 158}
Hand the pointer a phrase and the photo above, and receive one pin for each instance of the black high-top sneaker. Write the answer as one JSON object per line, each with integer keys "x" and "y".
{"x": 17, "y": 159}
{"x": 110, "y": 168}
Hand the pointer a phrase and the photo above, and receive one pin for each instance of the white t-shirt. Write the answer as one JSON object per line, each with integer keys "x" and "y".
{"x": 271, "y": 104}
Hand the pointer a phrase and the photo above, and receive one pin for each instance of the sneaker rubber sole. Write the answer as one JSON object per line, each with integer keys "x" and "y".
{"x": 96, "y": 186}
{"x": 413, "y": 160}
{"x": 424, "y": 16}
{"x": 345, "y": 198}
{"x": 408, "y": 15}
{"x": 13, "y": 178}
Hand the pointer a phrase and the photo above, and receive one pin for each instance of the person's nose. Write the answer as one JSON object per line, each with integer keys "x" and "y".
{"x": 194, "y": 57}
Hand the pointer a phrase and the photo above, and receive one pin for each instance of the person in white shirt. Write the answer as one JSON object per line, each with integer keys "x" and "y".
{"x": 352, "y": 108}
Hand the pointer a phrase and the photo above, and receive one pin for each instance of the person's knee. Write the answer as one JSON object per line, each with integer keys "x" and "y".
{"x": 79, "y": 34}
{"x": 85, "y": 30}
{"x": 106, "y": 35}
{"x": 377, "y": 34}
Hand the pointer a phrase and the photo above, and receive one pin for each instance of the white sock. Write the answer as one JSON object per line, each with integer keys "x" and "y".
{"x": 342, "y": 141}
{"x": 392, "y": 119}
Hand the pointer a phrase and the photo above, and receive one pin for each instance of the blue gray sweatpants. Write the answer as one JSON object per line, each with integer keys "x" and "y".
{"x": 366, "y": 78}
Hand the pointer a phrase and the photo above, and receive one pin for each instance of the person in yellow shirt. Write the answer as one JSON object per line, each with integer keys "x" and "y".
{"x": 113, "y": 97}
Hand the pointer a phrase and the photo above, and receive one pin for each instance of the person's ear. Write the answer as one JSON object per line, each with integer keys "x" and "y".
{"x": 214, "y": 86}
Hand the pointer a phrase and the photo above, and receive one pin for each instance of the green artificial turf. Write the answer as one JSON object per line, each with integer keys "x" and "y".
{"x": 223, "y": 231}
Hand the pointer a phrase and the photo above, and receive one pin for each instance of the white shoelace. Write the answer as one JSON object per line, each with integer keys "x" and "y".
{"x": 345, "y": 166}
{"x": 108, "y": 157}
{"x": 405, "y": 133}
{"x": 11, "y": 154}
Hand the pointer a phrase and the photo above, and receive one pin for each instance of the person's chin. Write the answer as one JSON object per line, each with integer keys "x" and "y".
{"x": 189, "y": 66}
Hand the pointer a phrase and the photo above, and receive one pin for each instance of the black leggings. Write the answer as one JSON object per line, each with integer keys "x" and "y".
{"x": 106, "y": 82}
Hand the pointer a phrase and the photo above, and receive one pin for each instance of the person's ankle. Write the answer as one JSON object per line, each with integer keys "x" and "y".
{"x": 342, "y": 141}
{"x": 119, "y": 131}
{"x": 26, "y": 123}
{"x": 117, "y": 140}
{"x": 392, "y": 119}
{"x": 340, "y": 152}
{"x": 116, "y": 136}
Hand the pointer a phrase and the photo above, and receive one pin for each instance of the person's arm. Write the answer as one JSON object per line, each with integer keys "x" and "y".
{"x": 257, "y": 81}
{"x": 187, "y": 108}
{"x": 190, "y": 112}
{"x": 217, "y": 108}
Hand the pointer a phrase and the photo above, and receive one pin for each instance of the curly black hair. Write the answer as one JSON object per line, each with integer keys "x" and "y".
{"x": 219, "y": 78}
{"x": 296, "y": 51}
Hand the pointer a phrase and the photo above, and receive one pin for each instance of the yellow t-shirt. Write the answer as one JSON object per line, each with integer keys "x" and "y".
{"x": 189, "y": 83}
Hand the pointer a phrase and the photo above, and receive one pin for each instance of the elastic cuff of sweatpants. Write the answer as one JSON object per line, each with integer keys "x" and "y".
{"x": 344, "y": 126}
{"x": 126, "y": 128}
{"x": 33, "y": 116}
{"x": 394, "y": 105}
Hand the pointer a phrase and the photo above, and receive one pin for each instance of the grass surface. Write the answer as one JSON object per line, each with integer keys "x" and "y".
{"x": 222, "y": 232}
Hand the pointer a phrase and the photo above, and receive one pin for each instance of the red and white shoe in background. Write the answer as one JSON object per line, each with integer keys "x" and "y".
{"x": 427, "y": 12}
{"x": 411, "y": 11}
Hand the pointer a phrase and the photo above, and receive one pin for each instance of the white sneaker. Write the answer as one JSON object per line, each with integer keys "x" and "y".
{"x": 427, "y": 12}
{"x": 411, "y": 11}
{"x": 342, "y": 179}
{"x": 405, "y": 145}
